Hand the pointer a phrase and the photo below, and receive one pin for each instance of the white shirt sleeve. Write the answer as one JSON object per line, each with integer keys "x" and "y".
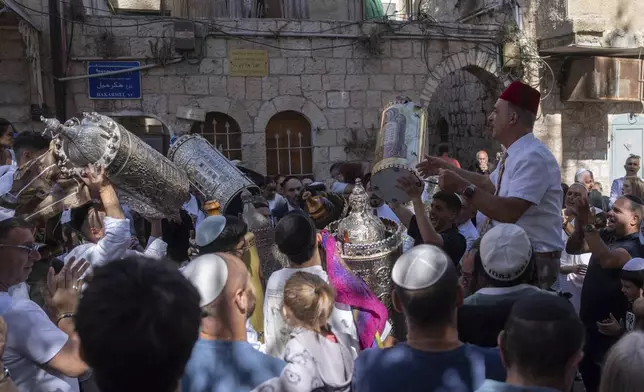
{"x": 6, "y": 178}
{"x": 114, "y": 243}
{"x": 615, "y": 191}
{"x": 156, "y": 249}
{"x": 529, "y": 180}
{"x": 32, "y": 334}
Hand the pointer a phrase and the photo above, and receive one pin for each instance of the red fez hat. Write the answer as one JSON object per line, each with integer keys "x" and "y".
{"x": 523, "y": 96}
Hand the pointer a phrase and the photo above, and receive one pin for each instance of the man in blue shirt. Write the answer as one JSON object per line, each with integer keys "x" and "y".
{"x": 433, "y": 359}
{"x": 541, "y": 346}
{"x": 222, "y": 359}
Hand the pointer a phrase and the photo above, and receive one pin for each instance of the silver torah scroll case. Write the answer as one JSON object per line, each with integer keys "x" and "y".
{"x": 401, "y": 143}
{"x": 211, "y": 173}
{"x": 369, "y": 246}
{"x": 145, "y": 180}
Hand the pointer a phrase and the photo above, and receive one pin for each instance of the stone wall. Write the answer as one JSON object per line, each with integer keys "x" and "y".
{"x": 322, "y": 70}
{"x": 578, "y": 132}
{"x": 14, "y": 80}
{"x": 465, "y": 105}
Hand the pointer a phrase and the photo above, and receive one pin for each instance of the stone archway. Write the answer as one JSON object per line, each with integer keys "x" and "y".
{"x": 481, "y": 64}
{"x": 460, "y": 94}
{"x": 290, "y": 103}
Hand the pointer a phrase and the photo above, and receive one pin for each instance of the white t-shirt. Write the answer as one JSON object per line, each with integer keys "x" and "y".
{"x": 32, "y": 341}
{"x": 276, "y": 330}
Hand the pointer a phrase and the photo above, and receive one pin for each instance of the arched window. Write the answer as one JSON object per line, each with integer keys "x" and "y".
{"x": 443, "y": 130}
{"x": 223, "y": 132}
{"x": 288, "y": 145}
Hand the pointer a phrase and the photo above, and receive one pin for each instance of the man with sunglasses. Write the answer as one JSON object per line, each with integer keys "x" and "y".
{"x": 40, "y": 354}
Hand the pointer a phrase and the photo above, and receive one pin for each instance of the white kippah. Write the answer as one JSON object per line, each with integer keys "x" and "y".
{"x": 505, "y": 252}
{"x": 635, "y": 264}
{"x": 420, "y": 267}
{"x": 208, "y": 273}
{"x": 209, "y": 229}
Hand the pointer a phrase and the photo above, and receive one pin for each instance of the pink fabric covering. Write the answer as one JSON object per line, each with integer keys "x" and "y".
{"x": 370, "y": 314}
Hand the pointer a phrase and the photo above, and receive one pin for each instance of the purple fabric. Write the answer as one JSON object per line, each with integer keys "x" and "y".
{"x": 370, "y": 314}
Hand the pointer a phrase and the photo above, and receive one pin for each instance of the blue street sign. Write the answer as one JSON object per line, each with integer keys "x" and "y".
{"x": 120, "y": 86}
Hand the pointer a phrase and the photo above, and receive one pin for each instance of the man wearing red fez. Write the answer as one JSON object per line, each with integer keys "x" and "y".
{"x": 525, "y": 188}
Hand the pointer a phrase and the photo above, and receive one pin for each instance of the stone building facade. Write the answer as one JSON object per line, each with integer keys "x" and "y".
{"x": 330, "y": 73}
{"x": 337, "y": 76}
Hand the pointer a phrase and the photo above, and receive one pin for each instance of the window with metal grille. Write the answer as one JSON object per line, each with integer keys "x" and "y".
{"x": 223, "y": 132}
{"x": 288, "y": 145}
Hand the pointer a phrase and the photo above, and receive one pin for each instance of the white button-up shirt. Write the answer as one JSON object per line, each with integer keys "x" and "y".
{"x": 115, "y": 245}
{"x": 532, "y": 174}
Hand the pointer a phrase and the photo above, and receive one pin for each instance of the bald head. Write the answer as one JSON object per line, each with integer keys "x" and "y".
{"x": 239, "y": 290}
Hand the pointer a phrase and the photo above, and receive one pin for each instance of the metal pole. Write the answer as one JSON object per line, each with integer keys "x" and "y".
{"x": 288, "y": 135}
{"x": 57, "y": 66}
{"x": 277, "y": 151}
{"x": 299, "y": 136}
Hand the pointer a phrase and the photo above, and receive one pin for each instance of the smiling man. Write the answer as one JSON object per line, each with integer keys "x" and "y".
{"x": 40, "y": 356}
{"x": 601, "y": 294}
{"x": 439, "y": 229}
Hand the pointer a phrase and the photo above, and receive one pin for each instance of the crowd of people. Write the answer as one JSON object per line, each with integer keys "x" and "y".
{"x": 510, "y": 281}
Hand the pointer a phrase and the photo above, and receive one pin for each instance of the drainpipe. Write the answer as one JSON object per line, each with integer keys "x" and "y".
{"x": 56, "y": 44}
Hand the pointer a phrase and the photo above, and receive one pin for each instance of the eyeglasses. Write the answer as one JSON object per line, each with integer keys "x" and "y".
{"x": 32, "y": 248}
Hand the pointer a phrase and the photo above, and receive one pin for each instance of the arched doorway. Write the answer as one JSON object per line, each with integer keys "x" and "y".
{"x": 223, "y": 132}
{"x": 458, "y": 116}
{"x": 148, "y": 129}
{"x": 289, "y": 148}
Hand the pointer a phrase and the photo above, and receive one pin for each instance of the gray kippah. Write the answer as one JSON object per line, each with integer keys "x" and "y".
{"x": 209, "y": 274}
{"x": 209, "y": 229}
{"x": 420, "y": 267}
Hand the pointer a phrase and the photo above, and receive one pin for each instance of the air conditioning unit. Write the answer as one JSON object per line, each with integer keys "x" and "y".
{"x": 603, "y": 79}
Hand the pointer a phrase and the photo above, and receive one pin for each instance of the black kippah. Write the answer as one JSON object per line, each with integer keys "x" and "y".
{"x": 294, "y": 234}
{"x": 543, "y": 307}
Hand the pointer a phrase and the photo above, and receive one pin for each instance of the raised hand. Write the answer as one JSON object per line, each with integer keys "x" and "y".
{"x": 94, "y": 177}
{"x": 64, "y": 288}
{"x": 451, "y": 182}
{"x": 409, "y": 184}
{"x": 432, "y": 165}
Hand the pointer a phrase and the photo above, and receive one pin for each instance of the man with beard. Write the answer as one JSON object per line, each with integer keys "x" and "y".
{"x": 292, "y": 188}
{"x": 601, "y": 294}
{"x": 380, "y": 209}
{"x": 440, "y": 228}
{"x": 222, "y": 359}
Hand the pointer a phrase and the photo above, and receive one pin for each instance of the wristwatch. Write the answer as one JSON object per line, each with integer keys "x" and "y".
{"x": 588, "y": 228}
{"x": 468, "y": 193}
{"x": 5, "y": 375}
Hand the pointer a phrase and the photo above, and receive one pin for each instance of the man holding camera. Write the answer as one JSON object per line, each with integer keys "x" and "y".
{"x": 601, "y": 296}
